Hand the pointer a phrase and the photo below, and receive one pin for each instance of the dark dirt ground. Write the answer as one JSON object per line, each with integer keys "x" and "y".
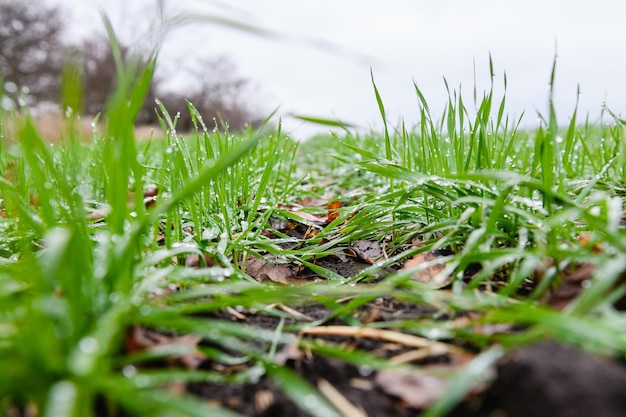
{"x": 541, "y": 379}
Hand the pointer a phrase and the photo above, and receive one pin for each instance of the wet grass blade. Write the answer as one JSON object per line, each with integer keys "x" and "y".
{"x": 304, "y": 395}
{"x": 383, "y": 114}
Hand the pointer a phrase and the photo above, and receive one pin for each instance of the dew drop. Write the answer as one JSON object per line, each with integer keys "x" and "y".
{"x": 129, "y": 371}
{"x": 88, "y": 345}
{"x": 365, "y": 370}
{"x": 145, "y": 310}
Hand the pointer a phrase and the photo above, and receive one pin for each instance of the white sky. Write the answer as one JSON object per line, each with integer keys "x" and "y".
{"x": 402, "y": 41}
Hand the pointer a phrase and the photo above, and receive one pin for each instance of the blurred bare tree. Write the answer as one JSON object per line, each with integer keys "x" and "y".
{"x": 214, "y": 89}
{"x": 99, "y": 75}
{"x": 30, "y": 53}
{"x": 33, "y": 59}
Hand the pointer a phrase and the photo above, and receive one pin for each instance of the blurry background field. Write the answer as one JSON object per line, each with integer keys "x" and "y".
{"x": 319, "y": 63}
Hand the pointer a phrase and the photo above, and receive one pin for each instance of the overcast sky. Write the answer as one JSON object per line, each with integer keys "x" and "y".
{"x": 401, "y": 41}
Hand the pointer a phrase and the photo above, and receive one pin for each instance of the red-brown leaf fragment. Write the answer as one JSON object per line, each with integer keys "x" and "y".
{"x": 428, "y": 274}
{"x": 333, "y": 212}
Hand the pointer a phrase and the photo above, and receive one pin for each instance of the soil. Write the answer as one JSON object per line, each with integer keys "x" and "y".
{"x": 541, "y": 379}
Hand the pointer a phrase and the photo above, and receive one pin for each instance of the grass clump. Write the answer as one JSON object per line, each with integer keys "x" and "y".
{"x": 105, "y": 238}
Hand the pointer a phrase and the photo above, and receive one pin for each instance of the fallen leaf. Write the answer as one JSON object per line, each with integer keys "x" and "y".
{"x": 572, "y": 283}
{"x": 333, "y": 212}
{"x": 313, "y": 202}
{"x": 193, "y": 261}
{"x": 369, "y": 251}
{"x": 421, "y": 387}
{"x": 416, "y": 388}
{"x": 431, "y": 273}
{"x": 139, "y": 339}
{"x": 302, "y": 214}
{"x": 273, "y": 269}
{"x": 574, "y": 280}
{"x": 308, "y": 216}
{"x": 342, "y": 257}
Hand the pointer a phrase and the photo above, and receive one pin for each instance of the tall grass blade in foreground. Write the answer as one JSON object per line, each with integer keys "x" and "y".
{"x": 77, "y": 288}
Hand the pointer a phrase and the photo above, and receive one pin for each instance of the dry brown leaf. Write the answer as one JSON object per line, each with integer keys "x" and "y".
{"x": 416, "y": 388}
{"x": 313, "y": 202}
{"x": 333, "y": 211}
{"x": 139, "y": 339}
{"x": 428, "y": 274}
{"x": 193, "y": 261}
{"x": 573, "y": 280}
{"x": 302, "y": 214}
{"x": 282, "y": 224}
{"x": 342, "y": 256}
{"x": 271, "y": 269}
{"x": 420, "y": 387}
{"x": 308, "y": 216}
{"x": 369, "y": 251}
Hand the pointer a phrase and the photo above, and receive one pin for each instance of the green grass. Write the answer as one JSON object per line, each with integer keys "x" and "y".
{"x": 471, "y": 183}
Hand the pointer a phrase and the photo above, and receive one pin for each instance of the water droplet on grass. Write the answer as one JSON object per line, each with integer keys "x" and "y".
{"x": 365, "y": 370}
{"x": 433, "y": 333}
{"x": 129, "y": 371}
{"x": 89, "y": 345}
